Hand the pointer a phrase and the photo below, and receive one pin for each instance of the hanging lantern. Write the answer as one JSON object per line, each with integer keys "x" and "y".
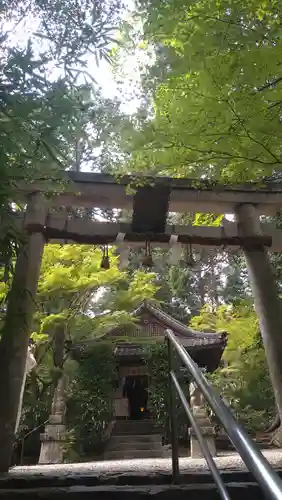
{"x": 105, "y": 262}
{"x": 148, "y": 259}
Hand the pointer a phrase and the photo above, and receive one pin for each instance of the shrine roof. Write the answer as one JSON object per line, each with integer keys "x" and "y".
{"x": 206, "y": 348}
{"x": 129, "y": 350}
{"x": 124, "y": 349}
{"x": 186, "y": 335}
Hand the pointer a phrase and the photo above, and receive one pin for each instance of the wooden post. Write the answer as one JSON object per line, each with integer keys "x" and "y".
{"x": 17, "y": 324}
{"x": 266, "y": 298}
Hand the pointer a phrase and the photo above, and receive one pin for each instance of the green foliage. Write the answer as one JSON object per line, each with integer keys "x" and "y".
{"x": 51, "y": 117}
{"x": 35, "y": 410}
{"x": 210, "y": 220}
{"x": 74, "y": 269}
{"x": 134, "y": 287}
{"x": 236, "y": 288}
{"x": 245, "y": 384}
{"x": 156, "y": 357}
{"x": 90, "y": 409}
{"x": 72, "y": 286}
{"x": 157, "y": 360}
{"x": 202, "y": 276}
{"x": 245, "y": 381}
{"x": 67, "y": 30}
{"x": 240, "y": 322}
{"x": 216, "y": 88}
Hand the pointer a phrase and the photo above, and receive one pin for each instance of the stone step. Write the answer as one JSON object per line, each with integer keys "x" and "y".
{"x": 139, "y": 421}
{"x": 133, "y": 454}
{"x": 130, "y": 424}
{"x": 133, "y": 432}
{"x": 136, "y": 438}
{"x": 134, "y": 423}
{"x": 84, "y": 475}
{"x": 133, "y": 445}
{"x": 237, "y": 491}
{"x": 133, "y": 428}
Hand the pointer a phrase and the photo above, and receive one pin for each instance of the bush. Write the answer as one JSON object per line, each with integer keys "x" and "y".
{"x": 157, "y": 360}
{"x": 90, "y": 398}
{"x": 245, "y": 384}
{"x": 245, "y": 381}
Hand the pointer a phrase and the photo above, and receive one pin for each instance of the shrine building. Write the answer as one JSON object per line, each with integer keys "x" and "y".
{"x": 130, "y": 343}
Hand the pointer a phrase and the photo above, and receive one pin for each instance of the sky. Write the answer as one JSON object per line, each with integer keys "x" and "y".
{"x": 103, "y": 73}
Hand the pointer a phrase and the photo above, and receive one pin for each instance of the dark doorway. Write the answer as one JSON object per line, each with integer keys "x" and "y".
{"x": 135, "y": 389}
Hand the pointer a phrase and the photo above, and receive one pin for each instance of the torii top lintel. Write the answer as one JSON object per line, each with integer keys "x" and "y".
{"x": 184, "y": 195}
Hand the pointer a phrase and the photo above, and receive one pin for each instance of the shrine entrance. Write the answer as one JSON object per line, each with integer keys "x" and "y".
{"x": 135, "y": 389}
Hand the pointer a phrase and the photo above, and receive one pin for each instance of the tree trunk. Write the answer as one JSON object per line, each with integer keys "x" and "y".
{"x": 266, "y": 298}
{"x": 15, "y": 334}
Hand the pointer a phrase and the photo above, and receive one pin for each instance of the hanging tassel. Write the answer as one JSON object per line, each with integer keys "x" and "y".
{"x": 175, "y": 250}
{"x": 105, "y": 262}
{"x": 123, "y": 259}
{"x": 148, "y": 259}
{"x": 123, "y": 252}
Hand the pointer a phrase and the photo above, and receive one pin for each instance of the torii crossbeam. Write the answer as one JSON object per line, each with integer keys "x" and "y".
{"x": 151, "y": 201}
{"x": 87, "y": 189}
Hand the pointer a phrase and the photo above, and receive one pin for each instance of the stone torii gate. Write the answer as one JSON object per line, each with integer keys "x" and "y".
{"x": 151, "y": 205}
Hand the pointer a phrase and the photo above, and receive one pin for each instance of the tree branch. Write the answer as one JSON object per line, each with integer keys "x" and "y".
{"x": 272, "y": 83}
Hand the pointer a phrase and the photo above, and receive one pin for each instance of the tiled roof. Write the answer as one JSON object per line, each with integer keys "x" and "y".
{"x": 129, "y": 350}
{"x": 201, "y": 342}
{"x": 189, "y": 338}
{"x": 186, "y": 335}
{"x": 178, "y": 327}
{"x": 126, "y": 349}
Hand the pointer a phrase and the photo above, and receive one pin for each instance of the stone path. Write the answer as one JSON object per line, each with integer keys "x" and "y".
{"x": 228, "y": 461}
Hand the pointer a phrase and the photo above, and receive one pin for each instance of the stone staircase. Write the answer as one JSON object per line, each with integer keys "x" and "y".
{"x": 133, "y": 439}
{"x": 125, "y": 480}
{"x": 75, "y": 482}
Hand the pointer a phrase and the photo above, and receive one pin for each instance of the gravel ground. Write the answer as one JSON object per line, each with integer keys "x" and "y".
{"x": 225, "y": 461}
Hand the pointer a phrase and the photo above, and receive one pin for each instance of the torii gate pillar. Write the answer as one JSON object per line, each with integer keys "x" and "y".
{"x": 266, "y": 298}
{"x": 16, "y": 329}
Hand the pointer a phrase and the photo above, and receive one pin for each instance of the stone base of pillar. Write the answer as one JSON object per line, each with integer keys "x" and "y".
{"x": 52, "y": 444}
{"x": 204, "y": 422}
{"x": 195, "y": 448}
{"x": 54, "y": 437}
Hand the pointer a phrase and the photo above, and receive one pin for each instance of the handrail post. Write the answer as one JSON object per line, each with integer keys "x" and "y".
{"x": 172, "y": 416}
{"x": 22, "y": 450}
{"x": 267, "y": 478}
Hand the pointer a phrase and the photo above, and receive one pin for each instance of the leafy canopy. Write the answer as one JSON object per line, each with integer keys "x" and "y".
{"x": 216, "y": 88}
{"x": 50, "y": 117}
{"x": 73, "y": 289}
{"x": 244, "y": 380}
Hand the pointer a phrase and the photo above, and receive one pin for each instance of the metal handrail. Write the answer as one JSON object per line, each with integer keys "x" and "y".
{"x": 205, "y": 449}
{"x": 250, "y": 453}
